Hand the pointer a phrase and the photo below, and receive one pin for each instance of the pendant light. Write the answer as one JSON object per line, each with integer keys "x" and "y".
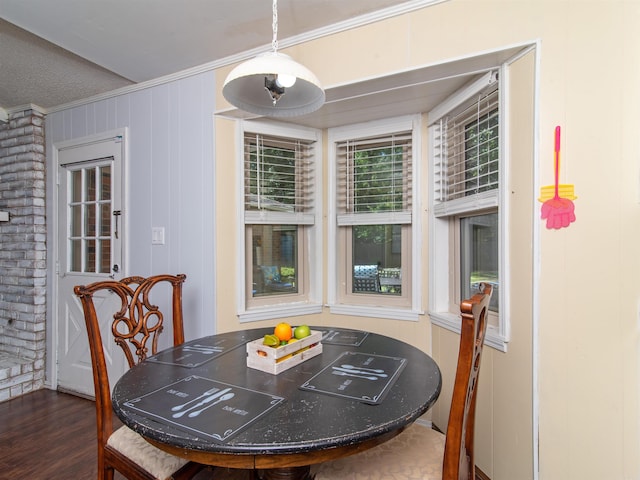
{"x": 273, "y": 84}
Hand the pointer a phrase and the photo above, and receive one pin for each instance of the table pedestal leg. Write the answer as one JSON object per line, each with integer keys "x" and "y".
{"x": 287, "y": 473}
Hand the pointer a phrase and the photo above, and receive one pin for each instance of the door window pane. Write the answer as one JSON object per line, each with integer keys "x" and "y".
{"x": 76, "y": 186}
{"x": 90, "y": 180}
{"x": 105, "y": 183}
{"x": 105, "y": 220}
{"x": 75, "y": 255}
{"x": 75, "y": 218}
{"x": 275, "y": 260}
{"x": 479, "y": 255}
{"x": 105, "y": 256}
{"x": 90, "y": 256}
{"x": 89, "y": 220}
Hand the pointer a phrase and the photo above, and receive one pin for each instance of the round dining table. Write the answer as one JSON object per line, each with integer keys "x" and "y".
{"x": 201, "y": 401}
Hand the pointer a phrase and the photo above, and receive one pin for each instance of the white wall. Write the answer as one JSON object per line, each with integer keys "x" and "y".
{"x": 170, "y": 176}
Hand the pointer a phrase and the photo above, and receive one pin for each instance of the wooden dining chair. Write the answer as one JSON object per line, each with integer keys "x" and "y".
{"x": 420, "y": 452}
{"x": 136, "y": 322}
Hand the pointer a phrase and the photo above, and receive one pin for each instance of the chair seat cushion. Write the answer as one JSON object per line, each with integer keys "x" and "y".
{"x": 415, "y": 454}
{"x": 160, "y": 464}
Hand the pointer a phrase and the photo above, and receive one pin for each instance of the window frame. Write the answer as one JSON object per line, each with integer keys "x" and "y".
{"x": 444, "y": 270}
{"x": 308, "y": 299}
{"x": 403, "y": 307}
{"x": 302, "y": 274}
{"x": 344, "y": 255}
{"x": 88, "y": 218}
{"x": 457, "y": 263}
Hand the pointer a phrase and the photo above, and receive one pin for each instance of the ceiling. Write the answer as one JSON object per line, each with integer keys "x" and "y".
{"x": 54, "y": 53}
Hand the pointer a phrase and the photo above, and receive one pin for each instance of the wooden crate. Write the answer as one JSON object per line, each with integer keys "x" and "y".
{"x": 275, "y": 360}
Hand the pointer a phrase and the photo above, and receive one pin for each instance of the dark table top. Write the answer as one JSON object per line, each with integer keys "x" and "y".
{"x": 272, "y": 414}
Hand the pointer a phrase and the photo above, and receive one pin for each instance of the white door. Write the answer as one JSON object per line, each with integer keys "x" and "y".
{"x": 90, "y": 238}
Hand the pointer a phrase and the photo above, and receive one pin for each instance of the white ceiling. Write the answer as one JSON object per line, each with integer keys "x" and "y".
{"x": 55, "y": 52}
{"x": 65, "y": 50}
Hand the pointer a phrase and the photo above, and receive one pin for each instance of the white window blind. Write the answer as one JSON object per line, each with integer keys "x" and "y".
{"x": 279, "y": 180}
{"x": 466, "y": 155}
{"x": 374, "y": 180}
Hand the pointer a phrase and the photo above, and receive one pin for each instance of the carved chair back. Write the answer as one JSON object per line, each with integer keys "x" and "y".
{"x": 136, "y": 323}
{"x": 458, "y": 454}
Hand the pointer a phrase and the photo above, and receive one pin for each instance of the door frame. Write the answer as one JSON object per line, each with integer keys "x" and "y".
{"x": 51, "y": 365}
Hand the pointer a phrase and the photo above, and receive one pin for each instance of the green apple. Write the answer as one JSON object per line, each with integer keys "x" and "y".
{"x": 302, "y": 331}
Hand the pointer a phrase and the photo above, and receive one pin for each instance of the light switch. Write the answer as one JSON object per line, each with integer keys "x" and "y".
{"x": 157, "y": 235}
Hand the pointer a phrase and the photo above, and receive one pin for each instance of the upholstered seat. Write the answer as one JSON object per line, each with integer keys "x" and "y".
{"x": 415, "y": 454}
{"x": 419, "y": 452}
{"x": 135, "y": 321}
{"x": 152, "y": 459}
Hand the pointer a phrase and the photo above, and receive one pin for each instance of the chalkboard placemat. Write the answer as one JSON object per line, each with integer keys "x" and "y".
{"x": 197, "y": 352}
{"x": 208, "y": 407}
{"x": 359, "y": 376}
{"x": 351, "y": 338}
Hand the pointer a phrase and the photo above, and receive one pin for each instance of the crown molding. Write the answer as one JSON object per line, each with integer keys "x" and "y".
{"x": 348, "y": 24}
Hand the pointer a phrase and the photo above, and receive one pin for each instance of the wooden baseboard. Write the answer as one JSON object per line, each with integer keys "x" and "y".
{"x": 436, "y": 428}
{"x": 480, "y": 475}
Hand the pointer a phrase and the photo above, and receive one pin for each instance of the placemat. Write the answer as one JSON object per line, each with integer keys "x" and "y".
{"x": 360, "y": 376}
{"x": 351, "y": 338}
{"x": 195, "y": 353}
{"x": 207, "y": 407}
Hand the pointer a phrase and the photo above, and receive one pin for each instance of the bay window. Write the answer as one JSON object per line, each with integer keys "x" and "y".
{"x": 279, "y": 218}
{"x": 466, "y": 228}
{"x": 372, "y": 170}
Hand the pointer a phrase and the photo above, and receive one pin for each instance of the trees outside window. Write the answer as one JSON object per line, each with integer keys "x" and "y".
{"x": 280, "y": 221}
{"x": 373, "y": 172}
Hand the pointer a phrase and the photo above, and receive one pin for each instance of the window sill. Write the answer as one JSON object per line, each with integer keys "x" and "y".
{"x": 451, "y": 322}
{"x": 279, "y": 311}
{"x": 375, "y": 312}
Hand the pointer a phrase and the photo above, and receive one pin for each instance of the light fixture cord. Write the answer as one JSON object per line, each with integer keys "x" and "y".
{"x": 274, "y": 42}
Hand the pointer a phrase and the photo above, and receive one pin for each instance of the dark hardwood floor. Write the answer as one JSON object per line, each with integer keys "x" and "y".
{"x": 48, "y": 435}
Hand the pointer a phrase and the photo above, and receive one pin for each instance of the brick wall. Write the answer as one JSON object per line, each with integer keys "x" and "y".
{"x": 22, "y": 254}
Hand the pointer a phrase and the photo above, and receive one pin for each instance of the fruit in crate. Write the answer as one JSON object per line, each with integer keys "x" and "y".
{"x": 271, "y": 341}
{"x": 273, "y": 355}
{"x": 302, "y": 331}
{"x": 284, "y": 334}
{"x": 283, "y": 331}
{"x": 286, "y": 357}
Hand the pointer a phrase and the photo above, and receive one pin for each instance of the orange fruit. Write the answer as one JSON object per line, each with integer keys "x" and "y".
{"x": 283, "y": 331}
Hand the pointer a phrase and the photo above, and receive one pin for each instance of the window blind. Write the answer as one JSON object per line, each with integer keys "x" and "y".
{"x": 374, "y": 180}
{"x": 466, "y": 155}
{"x": 278, "y": 180}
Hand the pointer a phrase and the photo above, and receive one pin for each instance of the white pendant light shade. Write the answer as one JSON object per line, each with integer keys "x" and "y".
{"x": 253, "y": 86}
